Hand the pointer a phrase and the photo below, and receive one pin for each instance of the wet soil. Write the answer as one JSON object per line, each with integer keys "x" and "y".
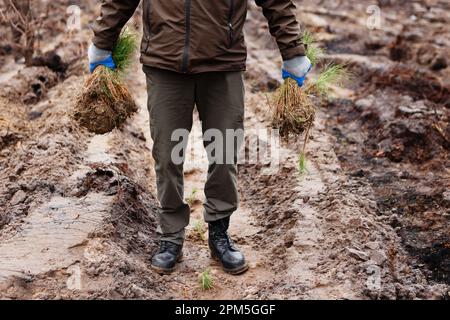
{"x": 393, "y": 132}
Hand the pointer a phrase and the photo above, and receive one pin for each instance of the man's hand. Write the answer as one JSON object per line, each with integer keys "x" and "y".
{"x": 297, "y": 68}
{"x": 99, "y": 57}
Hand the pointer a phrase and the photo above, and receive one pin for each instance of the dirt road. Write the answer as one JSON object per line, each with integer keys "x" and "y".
{"x": 369, "y": 220}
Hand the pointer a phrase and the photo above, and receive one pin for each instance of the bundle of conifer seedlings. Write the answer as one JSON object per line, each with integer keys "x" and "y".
{"x": 294, "y": 107}
{"x": 105, "y": 102}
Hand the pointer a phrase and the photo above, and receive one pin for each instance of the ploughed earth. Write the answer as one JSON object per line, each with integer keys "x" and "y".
{"x": 368, "y": 220}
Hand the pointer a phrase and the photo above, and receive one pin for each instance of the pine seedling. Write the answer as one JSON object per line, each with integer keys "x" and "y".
{"x": 206, "y": 280}
{"x": 105, "y": 101}
{"x": 293, "y": 110}
{"x": 332, "y": 74}
{"x": 313, "y": 52}
{"x": 199, "y": 229}
{"x": 302, "y": 163}
{"x": 192, "y": 199}
{"x": 124, "y": 50}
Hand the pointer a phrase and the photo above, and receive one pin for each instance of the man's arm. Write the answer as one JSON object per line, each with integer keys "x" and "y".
{"x": 283, "y": 26}
{"x": 114, "y": 15}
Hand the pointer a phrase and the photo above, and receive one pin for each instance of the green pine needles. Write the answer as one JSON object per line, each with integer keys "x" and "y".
{"x": 206, "y": 280}
{"x": 124, "y": 49}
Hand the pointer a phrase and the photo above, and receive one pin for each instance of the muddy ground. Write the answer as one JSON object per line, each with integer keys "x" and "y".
{"x": 369, "y": 220}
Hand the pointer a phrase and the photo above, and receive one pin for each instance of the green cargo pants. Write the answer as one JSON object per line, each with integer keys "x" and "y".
{"x": 219, "y": 98}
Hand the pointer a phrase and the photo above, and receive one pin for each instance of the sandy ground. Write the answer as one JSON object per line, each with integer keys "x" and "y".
{"x": 369, "y": 220}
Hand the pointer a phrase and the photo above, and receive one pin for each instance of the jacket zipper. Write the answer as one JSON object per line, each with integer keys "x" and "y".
{"x": 148, "y": 21}
{"x": 230, "y": 24}
{"x": 187, "y": 18}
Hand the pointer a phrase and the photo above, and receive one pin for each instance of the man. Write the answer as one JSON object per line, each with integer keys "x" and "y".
{"x": 193, "y": 53}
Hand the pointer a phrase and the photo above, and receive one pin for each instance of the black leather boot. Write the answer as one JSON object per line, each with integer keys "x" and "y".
{"x": 168, "y": 255}
{"x": 223, "y": 249}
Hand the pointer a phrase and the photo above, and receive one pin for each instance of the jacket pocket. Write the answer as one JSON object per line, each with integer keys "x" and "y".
{"x": 230, "y": 24}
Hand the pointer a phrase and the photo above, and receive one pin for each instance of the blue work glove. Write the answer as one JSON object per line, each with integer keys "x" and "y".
{"x": 99, "y": 57}
{"x": 296, "y": 68}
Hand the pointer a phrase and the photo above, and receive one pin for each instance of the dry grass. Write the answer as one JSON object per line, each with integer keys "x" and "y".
{"x": 105, "y": 102}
